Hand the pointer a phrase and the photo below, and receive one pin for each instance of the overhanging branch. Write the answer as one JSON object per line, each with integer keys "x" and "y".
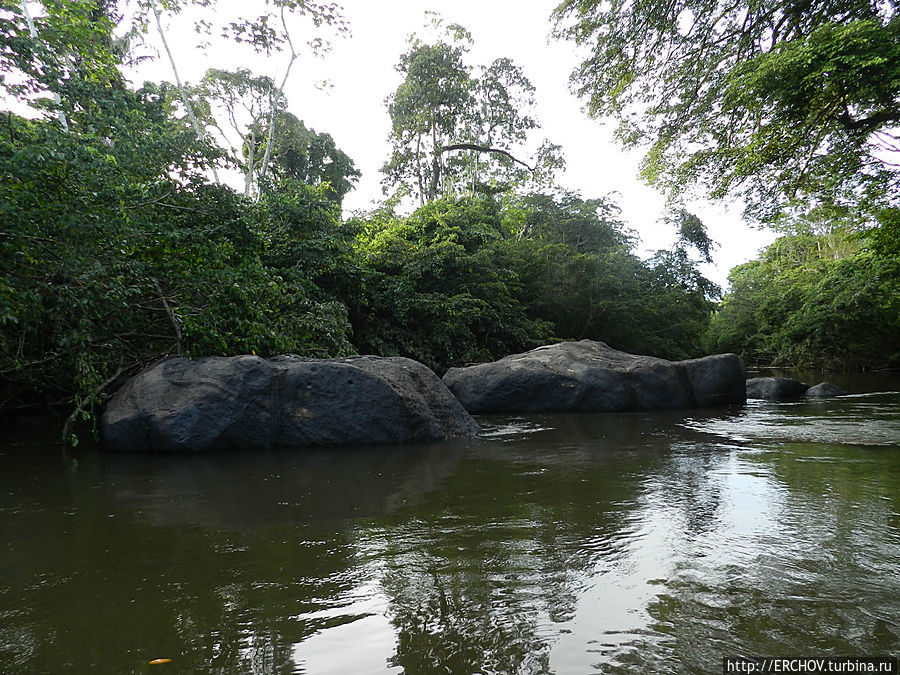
{"x": 485, "y": 148}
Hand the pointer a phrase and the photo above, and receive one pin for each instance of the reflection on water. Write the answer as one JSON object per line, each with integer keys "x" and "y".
{"x": 861, "y": 419}
{"x": 617, "y": 543}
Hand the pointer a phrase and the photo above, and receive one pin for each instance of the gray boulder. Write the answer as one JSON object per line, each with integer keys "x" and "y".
{"x": 246, "y": 402}
{"x": 775, "y": 388}
{"x": 825, "y": 390}
{"x": 590, "y": 376}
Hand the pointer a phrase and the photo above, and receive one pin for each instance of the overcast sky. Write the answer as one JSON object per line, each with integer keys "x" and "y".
{"x": 360, "y": 69}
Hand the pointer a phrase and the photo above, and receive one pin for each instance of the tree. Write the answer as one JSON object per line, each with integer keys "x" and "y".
{"x": 114, "y": 248}
{"x": 436, "y": 287}
{"x": 455, "y": 128}
{"x": 788, "y": 104}
{"x": 267, "y": 33}
{"x": 821, "y": 300}
{"x": 312, "y": 158}
{"x": 247, "y": 103}
{"x": 575, "y": 261}
{"x": 54, "y": 50}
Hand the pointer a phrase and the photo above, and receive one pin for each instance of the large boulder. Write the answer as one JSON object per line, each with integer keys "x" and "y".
{"x": 590, "y": 376}
{"x": 775, "y": 388}
{"x": 246, "y": 402}
{"x": 825, "y": 390}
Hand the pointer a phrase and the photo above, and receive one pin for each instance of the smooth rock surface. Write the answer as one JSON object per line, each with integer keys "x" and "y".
{"x": 775, "y": 388}
{"x": 590, "y": 376}
{"x": 825, "y": 390}
{"x": 246, "y": 402}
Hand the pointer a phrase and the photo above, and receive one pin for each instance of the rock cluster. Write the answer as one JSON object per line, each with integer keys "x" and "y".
{"x": 789, "y": 389}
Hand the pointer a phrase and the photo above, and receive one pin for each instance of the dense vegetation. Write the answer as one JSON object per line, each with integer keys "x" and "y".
{"x": 823, "y": 299}
{"x": 793, "y": 107}
{"x": 120, "y": 244}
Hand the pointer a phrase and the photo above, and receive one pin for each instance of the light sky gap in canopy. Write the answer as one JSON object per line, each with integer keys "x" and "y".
{"x": 360, "y": 72}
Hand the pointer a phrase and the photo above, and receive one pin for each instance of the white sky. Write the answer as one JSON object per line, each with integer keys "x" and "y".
{"x": 361, "y": 73}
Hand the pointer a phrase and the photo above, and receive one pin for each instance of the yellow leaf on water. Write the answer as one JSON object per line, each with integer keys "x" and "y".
{"x": 156, "y": 662}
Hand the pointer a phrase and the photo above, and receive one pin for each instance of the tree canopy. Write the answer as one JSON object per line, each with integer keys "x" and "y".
{"x": 458, "y": 129}
{"x": 786, "y": 103}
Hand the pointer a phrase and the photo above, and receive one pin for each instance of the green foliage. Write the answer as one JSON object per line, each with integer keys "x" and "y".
{"x": 465, "y": 280}
{"x": 777, "y": 102}
{"x": 73, "y": 44}
{"x": 815, "y": 300}
{"x": 309, "y": 157}
{"x": 115, "y": 252}
{"x": 306, "y": 248}
{"x": 580, "y": 274}
{"x": 434, "y": 288}
{"x": 454, "y": 128}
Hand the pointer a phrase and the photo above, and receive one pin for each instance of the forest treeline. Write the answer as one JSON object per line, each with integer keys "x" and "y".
{"x": 120, "y": 244}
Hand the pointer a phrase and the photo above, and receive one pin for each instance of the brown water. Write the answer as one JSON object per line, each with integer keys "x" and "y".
{"x": 615, "y": 543}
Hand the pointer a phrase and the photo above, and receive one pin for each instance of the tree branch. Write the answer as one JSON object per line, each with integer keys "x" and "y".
{"x": 484, "y": 148}
{"x": 67, "y": 428}
{"x": 869, "y": 123}
{"x": 272, "y": 99}
{"x": 171, "y": 316}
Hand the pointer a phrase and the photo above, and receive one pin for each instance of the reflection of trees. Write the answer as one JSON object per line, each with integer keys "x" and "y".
{"x": 222, "y": 563}
{"x": 443, "y": 623}
{"x": 484, "y": 553}
{"x": 817, "y": 575}
{"x": 480, "y": 569}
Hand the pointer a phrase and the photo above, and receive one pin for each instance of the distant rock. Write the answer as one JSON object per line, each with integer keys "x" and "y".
{"x": 246, "y": 402}
{"x": 591, "y": 376}
{"x": 775, "y": 388}
{"x": 826, "y": 390}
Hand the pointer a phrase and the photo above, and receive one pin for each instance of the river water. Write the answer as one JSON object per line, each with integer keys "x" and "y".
{"x": 611, "y": 543}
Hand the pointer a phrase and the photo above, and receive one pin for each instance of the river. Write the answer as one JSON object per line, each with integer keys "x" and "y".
{"x": 610, "y": 543}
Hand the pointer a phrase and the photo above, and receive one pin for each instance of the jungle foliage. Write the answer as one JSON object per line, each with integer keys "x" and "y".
{"x": 118, "y": 249}
{"x": 466, "y": 280}
{"x": 822, "y": 296}
{"x": 794, "y": 107}
{"x": 788, "y": 104}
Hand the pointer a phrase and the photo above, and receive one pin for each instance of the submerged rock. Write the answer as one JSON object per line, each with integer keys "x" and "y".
{"x": 826, "y": 390}
{"x": 590, "y": 376}
{"x": 775, "y": 388}
{"x": 246, "y": 402}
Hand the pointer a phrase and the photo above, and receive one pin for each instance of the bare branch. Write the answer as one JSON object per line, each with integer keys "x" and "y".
{"x": 484, "y": 148}
{"x": 171, "y": 316}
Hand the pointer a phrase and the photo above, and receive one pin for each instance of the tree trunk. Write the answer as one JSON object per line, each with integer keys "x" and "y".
{"x": 198, "y": 130}
{"x": 34, "y": 36}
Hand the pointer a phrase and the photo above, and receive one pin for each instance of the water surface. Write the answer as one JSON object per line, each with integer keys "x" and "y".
{"x": 615, "y": 543}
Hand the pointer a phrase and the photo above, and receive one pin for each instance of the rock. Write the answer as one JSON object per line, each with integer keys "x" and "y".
{"x": 775, "y": 388}
{"x": 246, "y": 402}
{"x": 825, "y": 390}
{"x": 590, "y": 376}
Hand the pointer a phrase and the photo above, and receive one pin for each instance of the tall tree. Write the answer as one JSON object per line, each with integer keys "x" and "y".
{"x": 269, "y": 32}
{"x": 793, "y": 101}
{"x": 312, "y": 158}
{"x": 237, "y": 106}
{"x": 454, "y": 127}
